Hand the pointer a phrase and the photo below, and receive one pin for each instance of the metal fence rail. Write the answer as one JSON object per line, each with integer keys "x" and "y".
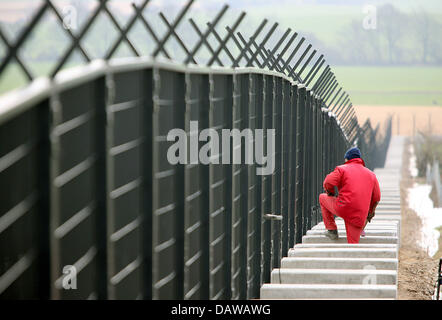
{"x": 85, "y": 180}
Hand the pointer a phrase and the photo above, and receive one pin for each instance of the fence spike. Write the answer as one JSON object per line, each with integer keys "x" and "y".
{"x": 286, "y": 47}
{"x": 203, "y": 38}
{"x": 264, "y": 41}
{"x": 292, "y": 55}
{"x": 173, "y": 27}
{"x": 314, "y": 70}
{"x": 321, "y": 77}
{"x": 247, "y": 46}
{"x": 223, "y": 43}
{"x": 278, "y": 44}
{"x": 306, "y": 63}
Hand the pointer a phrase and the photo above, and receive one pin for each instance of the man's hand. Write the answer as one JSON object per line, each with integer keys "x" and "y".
{"x": 370, "y": 216}
{"x": 371, "y": 213}
{"x": 330, "y": 194}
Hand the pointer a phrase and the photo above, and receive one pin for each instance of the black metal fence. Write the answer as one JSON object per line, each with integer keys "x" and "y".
{"x": 85, "y": 180}
{"x": 374, "y": 143}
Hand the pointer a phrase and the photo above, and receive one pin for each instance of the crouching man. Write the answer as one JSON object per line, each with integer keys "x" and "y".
{"x": 358, "y": 196}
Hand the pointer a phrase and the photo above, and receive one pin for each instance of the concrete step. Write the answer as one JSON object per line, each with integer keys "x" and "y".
{"x": 344, "y": 252}
{"x": 391, "y": 202}
{"x": 389, "y": 206}
{"x": 387, "y": 197}
{"x": 386, "y": 209}
{"x": 344, "y": 245}
{"x": 388, "y": 212}
{"x": 339, "y": 219}
{"x": 368, "y": 227}
{"x": 390, "y": 195}
{"x": 338, "y": 263}
{"x": 373, "y": 222}
{"x": 330, "y": 291}
{"x": 333, "y": 276}
{"x": 379, "y": 217}
{"x": 342, "y": 238}
{"x": 368, "y": 232}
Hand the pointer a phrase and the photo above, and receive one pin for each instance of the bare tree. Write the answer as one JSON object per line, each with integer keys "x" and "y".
{"x": 361, "y": 46}
{"x": 392, "y": 25}
{"x": 427, "y": 33}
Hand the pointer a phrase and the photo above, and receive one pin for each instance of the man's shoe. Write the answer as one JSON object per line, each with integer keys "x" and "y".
{"x": 332, "y": 234}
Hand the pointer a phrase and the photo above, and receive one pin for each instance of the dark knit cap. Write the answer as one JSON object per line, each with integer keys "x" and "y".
{"x": 352, "y": 153}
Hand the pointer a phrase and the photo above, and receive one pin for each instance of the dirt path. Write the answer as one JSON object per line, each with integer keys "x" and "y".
{"x": 417, "y": 270}
{"x": 406, "y": 119}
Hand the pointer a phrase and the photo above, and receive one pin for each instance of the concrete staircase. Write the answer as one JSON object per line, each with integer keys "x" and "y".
{"x": 320, "y": 268}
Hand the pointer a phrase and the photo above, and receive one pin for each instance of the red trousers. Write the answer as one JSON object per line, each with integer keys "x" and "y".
{"x": 328, "y": 208}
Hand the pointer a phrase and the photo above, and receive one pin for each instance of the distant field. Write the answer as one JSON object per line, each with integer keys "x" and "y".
{"x": 406, "y": 119}
{"x": 412, "y": 86}
{"x": 420, "y": 86}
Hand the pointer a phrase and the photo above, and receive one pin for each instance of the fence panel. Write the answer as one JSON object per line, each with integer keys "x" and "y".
{"x": 126, "y": 204}
{"x": 254, "y": 214}
{"x": 285, "y": 165}
{"x": 266, "y": 180}
{"x": 77, "y": 189}
{"x": 24, "y": 208}
{"x": 167, "y": 187}
{"x": 300, "y": 161}
{"x": 292, "y": 165}
{"x": 240, "y": 184}
{"x": 276, "y": 176}
{"x": 220, "y": 180}
{"x": 196, "y": 206}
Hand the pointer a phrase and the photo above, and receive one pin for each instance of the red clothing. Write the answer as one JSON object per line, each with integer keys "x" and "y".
{"x": 328, "y": 209}
{"x": 358, "y": 191}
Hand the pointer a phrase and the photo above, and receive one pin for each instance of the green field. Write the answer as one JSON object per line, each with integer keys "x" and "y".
{"x": 392, "y": 85}
{"x": 366, "y": 85}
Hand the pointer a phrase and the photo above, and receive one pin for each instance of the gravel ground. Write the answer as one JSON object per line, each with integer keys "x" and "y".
{"x": 417, "y": 270}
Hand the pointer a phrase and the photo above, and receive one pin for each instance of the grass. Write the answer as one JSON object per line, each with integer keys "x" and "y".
{"x": 392, "y": 85}
{"x": 420, "y": 86}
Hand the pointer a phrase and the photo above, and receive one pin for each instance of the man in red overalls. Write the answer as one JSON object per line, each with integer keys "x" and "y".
{"x": 356, "y": 202}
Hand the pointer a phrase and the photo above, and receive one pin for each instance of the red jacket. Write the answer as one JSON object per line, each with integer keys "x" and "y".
{"x": 358, "y": 190}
